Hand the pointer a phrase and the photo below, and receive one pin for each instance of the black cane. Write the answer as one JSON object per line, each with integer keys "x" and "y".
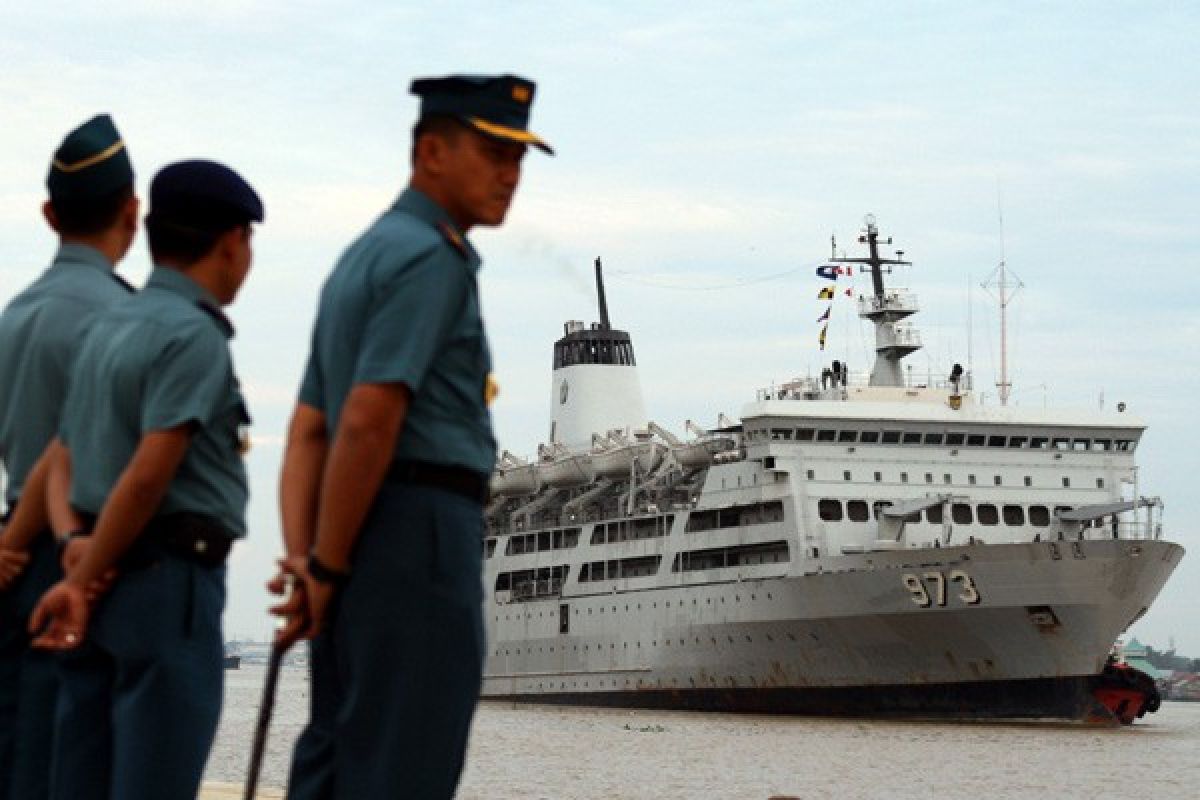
{"x": 264, "y": 720}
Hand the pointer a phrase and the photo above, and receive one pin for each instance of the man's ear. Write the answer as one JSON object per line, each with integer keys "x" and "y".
{"x": 129, "y": 215}
{"x": 51, "y": 217}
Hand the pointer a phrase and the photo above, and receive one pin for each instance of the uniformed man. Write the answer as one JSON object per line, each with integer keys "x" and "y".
{"x": 93, "y": 210}
{"x": 154, "y": 425}
{"x": 389, "y": 454}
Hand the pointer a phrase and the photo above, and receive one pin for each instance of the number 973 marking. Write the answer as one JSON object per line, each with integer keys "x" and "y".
{"x": 930, "y": 588}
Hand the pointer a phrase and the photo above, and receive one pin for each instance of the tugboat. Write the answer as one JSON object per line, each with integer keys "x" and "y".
{"x": 233, "y": 656}
{"x": 852, "y": 545}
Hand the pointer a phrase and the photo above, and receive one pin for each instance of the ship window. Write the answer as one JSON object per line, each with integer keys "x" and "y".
{"x": 1099, "y": 483}
{"x": 961, "y": 514}
{"x": 1039, "y": 443}
{"x": 781, "y": 433}
{"x": 933, "y": 438}
{"x": 1066, "y": 482}
{"x": 804, "y": 435}
{"x": 1102, "y": 444}
{"x": 491, "y": 547}
{"x": 811, "y": 475}
{"x": 879, "y": 477}
{"x": 997, "y": 441}
{"x": 947, "y": 479}
{"x": 846, "y": 475}
{"x": 955, "y": 439}
{"x": 999, "y": 481}
{"x": 736, "y": 556}
{"x": 830, "y": 510}
{"x": 933, "y": 515}
{"x": 904, "y": 477}
{"x": 912, "y": 438}
{"x": 929, "y": 477}
{"x": 1028, "y": 480}
{"x": 1124, "y": 444}
{"x": 856, "y": 511}
{"x": 1082, "y": 444}
{"x": 1062, "y": 444}
{"x": 847, "y": 436}
{"x": 1014, "y": 515}
{"x": 971, "y": 480}
{"x": 869, "y": 437}
{"x": 1039, "y": 516}
{"x": 891, "y": 437}
{"x": 1017, "y": 441}
{"x": 976, "y": 440}
{"x": 826, "y": 436}
{"x": 878, "y": 506}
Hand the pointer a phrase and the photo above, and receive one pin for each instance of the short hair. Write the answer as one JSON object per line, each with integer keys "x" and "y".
{"x": 87, "y": 216}
{"x": 444, "y": 125}
{"x": 182, "y": 244}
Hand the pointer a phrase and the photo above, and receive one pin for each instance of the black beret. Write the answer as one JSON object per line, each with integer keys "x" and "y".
{"x": 204, "y": 195}
{"x": 91, "y": 162}
{"x": 495, "y": 105}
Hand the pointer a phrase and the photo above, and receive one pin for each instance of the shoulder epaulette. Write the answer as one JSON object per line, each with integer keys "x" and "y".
{"x": 218, "y": 315}
{"x": 453, "y": 237}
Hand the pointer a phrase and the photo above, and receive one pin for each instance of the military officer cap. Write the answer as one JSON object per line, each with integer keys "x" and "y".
{"x": 203, "y": 195}
{"x": 91, "y": 162}
{"x": 495, "y": 105}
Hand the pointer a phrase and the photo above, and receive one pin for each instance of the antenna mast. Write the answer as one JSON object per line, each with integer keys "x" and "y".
{"x": 1003, "y": 285}
{"x": 600, "y": 295}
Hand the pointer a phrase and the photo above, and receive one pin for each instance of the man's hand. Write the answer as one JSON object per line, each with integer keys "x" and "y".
{"x": 293, "y": 611}
{"x": 63, "y": 613}
{"x": 73, "y": 552}
{"x": 12, "y": 563}
{"x": 320, "y": 597}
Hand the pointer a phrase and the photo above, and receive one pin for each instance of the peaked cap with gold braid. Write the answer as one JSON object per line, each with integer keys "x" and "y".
{"x": 91, "y": 162}
{"x": 495, "y": 105}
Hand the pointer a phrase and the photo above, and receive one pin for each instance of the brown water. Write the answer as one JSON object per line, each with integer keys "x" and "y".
{"x": 578, "y": 754}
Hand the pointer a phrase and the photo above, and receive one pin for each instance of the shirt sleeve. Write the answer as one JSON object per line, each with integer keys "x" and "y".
{"x": 312, "y": 386}
{"x": 189, "y": 382}
{"x": 411, "y": 316}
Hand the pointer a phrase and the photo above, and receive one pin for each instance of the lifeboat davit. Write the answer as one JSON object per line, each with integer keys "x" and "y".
{"x": 694, "y": 455}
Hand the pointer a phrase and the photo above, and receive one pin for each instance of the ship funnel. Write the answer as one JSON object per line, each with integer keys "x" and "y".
{"x": 595, "y": 386}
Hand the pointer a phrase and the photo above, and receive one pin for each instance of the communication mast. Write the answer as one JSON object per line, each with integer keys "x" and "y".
{"x": 1003, "y": 284}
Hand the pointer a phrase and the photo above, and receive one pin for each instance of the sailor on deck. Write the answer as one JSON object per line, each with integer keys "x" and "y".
{"x": 154, "y": 422}
{"x": 388, "y": 459}
{"x": 93, "y": 210}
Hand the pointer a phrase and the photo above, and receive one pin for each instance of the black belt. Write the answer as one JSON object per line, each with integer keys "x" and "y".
{"x": 193, "y": 537}
{"x": 460, "y": 480}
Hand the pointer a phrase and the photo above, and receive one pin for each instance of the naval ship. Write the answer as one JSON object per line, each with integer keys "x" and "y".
{"x": 852, "y": 545}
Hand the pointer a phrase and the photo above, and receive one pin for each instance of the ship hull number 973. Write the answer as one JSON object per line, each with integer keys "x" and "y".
{"x": 931, "y": 589}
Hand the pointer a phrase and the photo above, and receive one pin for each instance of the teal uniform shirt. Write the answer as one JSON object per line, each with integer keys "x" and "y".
{"x": 159, "y": 360}
{"x": 402, "y": 306}
{"x": 40, "y": 331}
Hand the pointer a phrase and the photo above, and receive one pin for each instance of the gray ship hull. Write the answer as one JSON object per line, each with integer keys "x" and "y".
{"x": 995, "y": 630}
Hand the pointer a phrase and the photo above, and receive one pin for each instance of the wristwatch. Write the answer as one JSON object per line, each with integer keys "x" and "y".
{"x": 324, "y": 574}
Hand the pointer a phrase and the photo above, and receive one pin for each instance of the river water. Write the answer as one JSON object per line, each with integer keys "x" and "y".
{"x": 531, "y": 752}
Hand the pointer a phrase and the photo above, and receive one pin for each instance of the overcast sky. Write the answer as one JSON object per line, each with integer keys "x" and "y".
{"x": 699, "y": 145}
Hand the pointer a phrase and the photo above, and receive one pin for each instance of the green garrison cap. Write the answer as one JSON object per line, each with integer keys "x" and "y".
{"x": 495, "y": 105}
{"x": 91, "y": 162}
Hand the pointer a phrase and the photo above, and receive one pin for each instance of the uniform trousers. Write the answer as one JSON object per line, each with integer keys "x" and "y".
{"x": 28, "y": 681}
{"x": 140, "y": 699}
{"x": 397, "y": 671}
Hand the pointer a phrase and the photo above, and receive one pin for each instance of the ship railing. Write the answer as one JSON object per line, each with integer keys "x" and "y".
{"x": 899, "y": 302}
{"x": 810, "y": 388}
{"x": 897, "y": 336}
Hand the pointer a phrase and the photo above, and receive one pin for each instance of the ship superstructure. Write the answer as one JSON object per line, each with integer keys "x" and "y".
{"x": 847, "y": 546}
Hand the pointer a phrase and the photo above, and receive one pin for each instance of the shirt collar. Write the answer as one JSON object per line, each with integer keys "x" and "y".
{"x": 72, "y": 253}
{"x": 420, "y": 205}
{"x": 177, "y": 282}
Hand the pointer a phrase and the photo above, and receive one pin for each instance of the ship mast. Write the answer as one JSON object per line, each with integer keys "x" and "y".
{"x": 604, "y": 324}
{"x": 893, "y": 340}
{"x": 999, "y": 286}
